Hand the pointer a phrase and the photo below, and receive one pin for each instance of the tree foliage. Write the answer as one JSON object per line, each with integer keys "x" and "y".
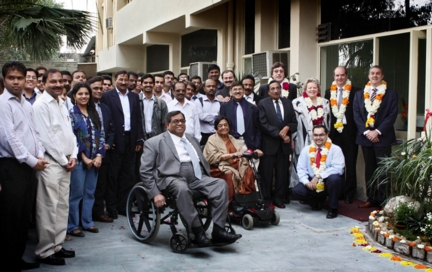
{"x": 32, "y": 29}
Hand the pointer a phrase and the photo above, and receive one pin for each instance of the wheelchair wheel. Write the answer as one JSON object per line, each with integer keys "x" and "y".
{"x": 247, "y": 221}
{"x": 275, "y": 218}
{"x": 143, "y": 216}
{"x": 204, "y": 213}
{"x": 179, "y": 243}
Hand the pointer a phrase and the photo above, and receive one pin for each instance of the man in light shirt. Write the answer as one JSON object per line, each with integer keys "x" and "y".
{"x": 21, "y": 155}
{"x": 158, "y": 88}
{"x": 52, "y": 201}
{"x": 312, "y": 173}
{"x": 187, "y": 108}
{"x": 208, "y": 109}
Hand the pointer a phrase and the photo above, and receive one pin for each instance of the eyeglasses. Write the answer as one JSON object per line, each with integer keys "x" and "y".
{"x": 319, "y": 135}
{"x": 223, "y": 125}
{"x": 176, "y": 121}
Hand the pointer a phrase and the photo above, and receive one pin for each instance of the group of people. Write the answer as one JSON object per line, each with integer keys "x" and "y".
{"x": 76, "y": 147}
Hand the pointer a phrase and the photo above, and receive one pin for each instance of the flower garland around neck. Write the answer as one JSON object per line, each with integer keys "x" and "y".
{"x": 312, "y": 155}
{"x": 284, "y": 87}
{"x": 372, "y": 108}
{"x": 317, "y": 114}
{"x": 339, "y": 113}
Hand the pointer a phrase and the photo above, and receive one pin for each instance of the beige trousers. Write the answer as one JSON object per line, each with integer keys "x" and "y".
{"x": 52, "y": 208}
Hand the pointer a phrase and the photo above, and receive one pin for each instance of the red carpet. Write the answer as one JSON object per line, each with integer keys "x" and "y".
{"x": 352, "y": 210}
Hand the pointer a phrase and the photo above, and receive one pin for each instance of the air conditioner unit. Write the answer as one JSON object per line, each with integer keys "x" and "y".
{"x": 109, "y": 22}
{"x": 199, "y": 69}
{"x": 262, "y": 62}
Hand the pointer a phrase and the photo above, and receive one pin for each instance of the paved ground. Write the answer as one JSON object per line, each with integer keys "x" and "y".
{"x": 303, "y": 241}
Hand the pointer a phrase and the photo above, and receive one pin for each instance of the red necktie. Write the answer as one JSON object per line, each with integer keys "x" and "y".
{"x": 318, "y": 158}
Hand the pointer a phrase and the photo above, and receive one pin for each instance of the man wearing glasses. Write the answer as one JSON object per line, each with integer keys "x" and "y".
{"x": 177, "y": 159}
{"x": 320, "y": 168}
{"x": 188, "y": 108}
{"x": 29, "y": 92}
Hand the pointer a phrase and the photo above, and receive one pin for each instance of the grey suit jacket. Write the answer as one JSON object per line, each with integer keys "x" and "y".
{"x": 160, "y": 163}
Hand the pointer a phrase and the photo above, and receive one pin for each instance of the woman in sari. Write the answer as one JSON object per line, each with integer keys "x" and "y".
{"x": 223, "y": 150}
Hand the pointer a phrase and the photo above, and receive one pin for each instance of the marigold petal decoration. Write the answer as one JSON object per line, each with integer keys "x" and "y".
{"x": 386, "y": 255}
{"x": 386, "y": 235}
{"x": 412, "y": 244}
{"x": 427, "y": 248}
{"x": 406, "y": 263}
{"x": 357, "y": 234}
{"x": 354, "y": 245}
{"x": 420, "y": 266}
{"x": 333, "y": 102}
{"x": 395, "y": 259}
{"x": 428, "y": 270}
{"x": 376, "y": 251}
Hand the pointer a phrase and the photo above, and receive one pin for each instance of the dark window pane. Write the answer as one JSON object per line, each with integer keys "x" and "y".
{"x": 284, "y": 23}
{"x": 249, "y": 27}
{"x": 350, "y": 18}
{"x": 157, "y": 58}
{"x": 197, "y": 46}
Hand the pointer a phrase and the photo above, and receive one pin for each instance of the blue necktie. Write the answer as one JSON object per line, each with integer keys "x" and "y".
{"x": 278, "y": 113}
{"x": 194, "y": 97}
{"x": 193, "y": 157}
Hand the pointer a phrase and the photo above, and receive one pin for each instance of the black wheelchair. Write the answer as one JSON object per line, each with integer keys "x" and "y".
{"x": 144, "y": 218}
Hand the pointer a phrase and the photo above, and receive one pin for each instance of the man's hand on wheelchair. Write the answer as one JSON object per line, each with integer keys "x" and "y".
{"x": 159, "y": 200}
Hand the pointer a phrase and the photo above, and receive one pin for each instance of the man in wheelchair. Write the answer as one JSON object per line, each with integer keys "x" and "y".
{"x": 173, "y": 161}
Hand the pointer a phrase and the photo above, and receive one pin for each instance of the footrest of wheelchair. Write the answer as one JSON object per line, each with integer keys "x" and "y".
{"x": 222, "y": 243}
{"x": 216, "y": 244}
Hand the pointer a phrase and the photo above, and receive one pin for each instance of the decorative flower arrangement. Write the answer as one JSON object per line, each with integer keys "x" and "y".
{"x": 339, "y": 112}
{"x": 312, "y": 155}
{"x": 285, "y": 89}
{"x": 372, "y": 108}
{"x": 317, "y": 115}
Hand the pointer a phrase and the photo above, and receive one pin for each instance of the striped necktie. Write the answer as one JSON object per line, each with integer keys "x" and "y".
{"x": 373, "y": 96}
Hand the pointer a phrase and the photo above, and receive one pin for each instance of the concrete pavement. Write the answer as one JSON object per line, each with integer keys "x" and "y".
{"x": 304, "y": 240}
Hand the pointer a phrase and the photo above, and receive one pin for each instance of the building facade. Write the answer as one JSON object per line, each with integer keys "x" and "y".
{"x": 247, "y": 36}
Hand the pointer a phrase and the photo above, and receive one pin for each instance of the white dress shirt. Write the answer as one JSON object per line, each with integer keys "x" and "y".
{"x": 19, "y": 138}
{"x": 181, "y": 150}
{"x": 53, "y": 123}
{"x": 338, "y": 94}
{"x": 191, "y": 116}
{"x": 207, "y": 113}
{"x": 280, "y": 106}
{"x": 148, "y": 112}
{"x": 250, "y": 98}
{"x": 124, "y": 100}
{"x": 165, "y": 97}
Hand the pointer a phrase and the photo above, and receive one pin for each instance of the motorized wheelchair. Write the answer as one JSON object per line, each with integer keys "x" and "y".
{"x": 144, "y": 218}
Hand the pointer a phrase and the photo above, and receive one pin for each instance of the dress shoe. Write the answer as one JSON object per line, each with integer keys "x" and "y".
{"x": 222, "y": 236}
{"x": 76, "y": 233}
{"x": 332, "y": 213}
{"x": 63, "y": 253}
{"x": 92, "y": 229}
{"x": 113, "y": 215}
{"x": 103, "y": 218}
{"x": 53, "y": 260}
{"x": 366, "y": 205}
{"x": 27, "y": 266}
{"x": 348, "y": 200}
{"x": 201, "y": 239}
{"x": 279, "y": 205}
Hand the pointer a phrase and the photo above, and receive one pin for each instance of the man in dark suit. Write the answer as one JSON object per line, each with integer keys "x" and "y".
{"x": 174, "y": 161}
{"x": 278, "y": 122}
{"x": 128, "y": 140}
{"x": 343, "y": 129}
{"x": 228, "y": 77}
{"x": 248, "y": 82}
{"x": 249, "y": 132}
{"x": 278, "y": 73}
{"x": 98, "y": 212}
{"x": 375, "y": 111}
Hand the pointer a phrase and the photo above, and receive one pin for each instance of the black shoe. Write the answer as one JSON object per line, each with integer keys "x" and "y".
{"x": 53, "y": 260}
{"x": 222, "y": 236}
{"x": 317, "y": 206}
{"x": 348, "y": 200}
{"x": 63, "y": 253}
{"x": 279, "y": 204}
{"x": 27, "y": 266}
{"x": 332, "y": 213}
{"x": 113, "y": 215}
{"x": 201, "y": 239}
